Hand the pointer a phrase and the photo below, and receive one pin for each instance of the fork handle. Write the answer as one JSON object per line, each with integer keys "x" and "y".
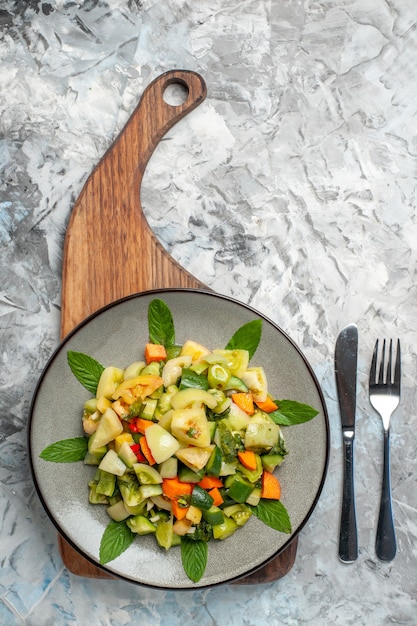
{"x": 348, "y": 538}
{"x": 386, "y": 544}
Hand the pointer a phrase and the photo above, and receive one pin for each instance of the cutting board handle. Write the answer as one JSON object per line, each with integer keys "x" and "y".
{"x": 154, "y": 116}
{"x": 110, "y": 251}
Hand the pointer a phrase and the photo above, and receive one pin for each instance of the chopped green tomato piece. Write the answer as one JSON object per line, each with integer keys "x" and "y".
{"x": 239, "y": 487}
{"x": 201, "y": 498}
{"x": 141, "y": 525}
{"x": 139, "y": 509}
{"x": 227, "y": 469}
{"x": 118, "y": 511}
{"x": 110, "y": 378}
{"x": 91, "y": 405}
{"x": 164, "y": 532}
{"x": 271, "y": 461}
{"x": 237, "y": 418}
{"x": 108, "y": 428}
{"x": 236, "y": 360}
{"x": 213, "y": 515}
{"x": 224, "y": 530}
{"x": 193, "y": 457}
{"x": 169, "y": 468}
{"x": 214, "y": 464}
{"x": 94, "y": 458}
{"x": 261, "y": 437}
{"x": 195, "y": 350}
{"x": 192, "y": 396}
{"x": 94, "y": 497}
{"x": 106, "y": 483}
{"x": 146, "y": 474}
{"x": 127, "y": 455}
{"x": 240, "y": 513}
{"x": 193, "y": 380}
{"x": 150, "y": 491}
{"x": 161, "y": 443}
{"x": 112, "y": 463}
{"x": 133, "y": 370}
{"x": 129, "y": 489}
{"x": 190, "y": 426}
{"x": 218, "y": 376}
{"x": 255, "y": 379}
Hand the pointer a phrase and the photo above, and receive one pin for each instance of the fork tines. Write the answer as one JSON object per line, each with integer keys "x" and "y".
{"x": 387, "y": 379}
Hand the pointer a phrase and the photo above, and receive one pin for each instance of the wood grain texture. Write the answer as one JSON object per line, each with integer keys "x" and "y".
{"x": 110, "y": 251}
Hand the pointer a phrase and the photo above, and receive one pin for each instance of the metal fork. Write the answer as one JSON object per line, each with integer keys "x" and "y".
{"x": 384, "y": 395}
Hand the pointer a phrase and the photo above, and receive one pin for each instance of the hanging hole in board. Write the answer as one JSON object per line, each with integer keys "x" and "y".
{"x": 175, "y": 94}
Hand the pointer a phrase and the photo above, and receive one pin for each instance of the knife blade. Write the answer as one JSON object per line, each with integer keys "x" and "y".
{"x": 346, "y": 358}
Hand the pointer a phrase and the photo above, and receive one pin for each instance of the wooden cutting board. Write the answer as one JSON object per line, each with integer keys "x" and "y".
{"x": 110, "y": 251}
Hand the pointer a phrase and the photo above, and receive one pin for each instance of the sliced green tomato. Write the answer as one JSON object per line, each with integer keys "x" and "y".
{"x": 108, "y": 428}
{"x": 201, "y": 498}
{"x": 261, "y": 437}
{"x": 164, "y": 532}
{"x": 255, "y": 379}
{"x": 193, "y": 457}
{"x": 146, "y": 474}
{"x": 172, "y": 369}
{"x": 169, "y": 468}
{"x": 112, "y": 463}
{"x": 186, "y": 398}
{"x": 236, "y": 360}
{"x": 161, "y": 443}
{"x": 190, "y": 426}
{"x": 238, "y": 419}
{"x": 195, "y": 350}
{"x": 213, "y": 515}
{"x": 106, "y": 483}
{"x": 127, "y": 455}
{"x": 240, "y": 513}
{"x": 118, "y": 511}
{"x": 141, "y": 525}
{"x": 150, "y": 491}
{"x": 133, "y": 370}
{"x": 271, "y": 461}
{"x": 110, "y": 378}
{"x": 224, "y": 530}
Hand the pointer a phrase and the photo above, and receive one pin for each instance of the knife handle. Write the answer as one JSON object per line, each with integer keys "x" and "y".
{"x": 348, "y": 539}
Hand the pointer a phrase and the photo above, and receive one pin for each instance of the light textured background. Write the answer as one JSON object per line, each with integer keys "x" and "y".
{"x": 291, "y": 188}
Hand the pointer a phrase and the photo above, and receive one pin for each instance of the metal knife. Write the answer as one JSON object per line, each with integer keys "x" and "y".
{"x": 346, "y": 357}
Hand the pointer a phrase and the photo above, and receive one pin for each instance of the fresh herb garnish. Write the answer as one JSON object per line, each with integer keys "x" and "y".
{"x": 161, "y": 324}
{"x": 85, "y": 369}
{"x": 290, "y": 412}
{"x": 116, "y": 538}
{"x": 274, "y": 514}
{"x": 66, "y": 450}
{"x": 247, "y": 337}
{"x": 194, "y": 557}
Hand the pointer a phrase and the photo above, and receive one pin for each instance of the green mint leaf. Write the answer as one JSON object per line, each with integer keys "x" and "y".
{"x": 66, "y": 450}
{"x": 194, "y": 557}
{"x": 85, "y": 369}
{"x": 290, "y": 412}
{"x": 274, "y": 514}
{"x": 116, "y": 539}
{"x": 247, "y": 337}
{"x": 160, "y": 323}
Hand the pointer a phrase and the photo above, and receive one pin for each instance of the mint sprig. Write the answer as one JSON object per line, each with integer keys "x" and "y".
{"x": 290, "y": 413}
{"x": 194, "y": 557}
{"x": 160, "y": 323}
{"x": 66, "y": 450}
{"x": 272, "y": 513}
{"x": 85, "y": 369}
{"x": 247, "y": 337}
{"x": 116, "y": 538}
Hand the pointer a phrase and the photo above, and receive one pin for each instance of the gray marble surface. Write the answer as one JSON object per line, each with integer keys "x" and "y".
{"x": 291, "y": 188}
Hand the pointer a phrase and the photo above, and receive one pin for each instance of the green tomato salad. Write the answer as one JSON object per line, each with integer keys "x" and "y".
{"x": 183, "y": 443}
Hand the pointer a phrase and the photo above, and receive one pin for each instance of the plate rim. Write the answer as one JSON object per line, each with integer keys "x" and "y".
{"x": 85, "y": 322}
